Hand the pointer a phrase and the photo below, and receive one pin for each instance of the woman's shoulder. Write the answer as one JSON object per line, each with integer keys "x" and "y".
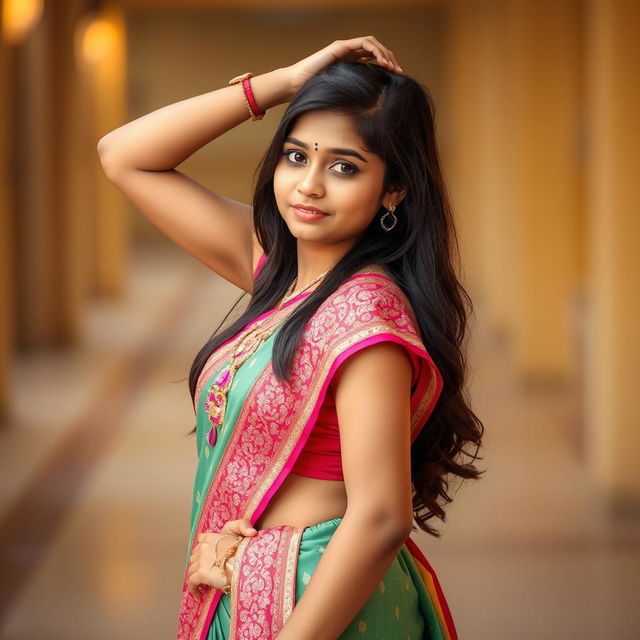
{"x": 372, "y": 277}
{"x": 375, "y": 268}
{"x": 371, "y": 290}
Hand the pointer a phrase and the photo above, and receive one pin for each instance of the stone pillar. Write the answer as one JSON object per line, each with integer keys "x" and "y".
{"x": 7, "y": 274}
{"x": 543, "y": 181}
{"x": 477, "y": 106}
{"x": 103, "y": 65}
{"x": 34, "y": 149}
{"x": 74, "y": 203}
{"x": 612, "y": 398}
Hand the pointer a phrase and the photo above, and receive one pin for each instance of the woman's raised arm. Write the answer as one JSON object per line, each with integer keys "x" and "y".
{"x": 162, "y": 139}
{"x": 140, "y": 159}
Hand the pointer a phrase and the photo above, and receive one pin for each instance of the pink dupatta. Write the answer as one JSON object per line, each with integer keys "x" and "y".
{"x": 272, "y": 428}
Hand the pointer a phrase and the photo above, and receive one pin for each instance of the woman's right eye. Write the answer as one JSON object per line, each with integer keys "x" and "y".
{"x": 287, "y": 153}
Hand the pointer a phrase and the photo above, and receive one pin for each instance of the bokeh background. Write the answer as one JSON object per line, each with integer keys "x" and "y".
{"x": 537, "y": 105}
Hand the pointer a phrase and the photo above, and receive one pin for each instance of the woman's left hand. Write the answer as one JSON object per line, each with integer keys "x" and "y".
{"x": 200, "y": 569}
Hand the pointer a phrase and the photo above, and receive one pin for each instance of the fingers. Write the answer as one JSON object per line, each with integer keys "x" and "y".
{"x": 192, "y": 585}
{"x": 384, "y": 56}
{"x": 198, "y": 570}
{"x": 388, "y": 57}
{"x": 198, "y": 573}
{"x": 240, "y": 527}
{"x": 194, "y": 578}
{"x": 246, "y": 529}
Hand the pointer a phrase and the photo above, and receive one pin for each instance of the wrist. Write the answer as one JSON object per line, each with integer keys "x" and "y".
{"x": 224, "y": 558}
{"x": 225, "y": 544}
{"x": 272, "y": 88}
{"x": 228, "y": 569}
{"x": 288, "y": 78}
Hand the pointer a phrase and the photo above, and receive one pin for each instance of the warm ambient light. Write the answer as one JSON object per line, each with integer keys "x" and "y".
{"x": 99, "y": 39}
{"x": 18, "y": 18}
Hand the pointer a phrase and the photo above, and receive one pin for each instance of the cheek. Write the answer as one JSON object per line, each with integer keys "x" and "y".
{"x": 283, "y": 181}
{"x": 361, "y": 201}
{"x": 280, "y": 187}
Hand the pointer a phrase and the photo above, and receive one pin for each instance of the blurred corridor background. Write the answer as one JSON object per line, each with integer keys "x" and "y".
{"x": 101, "y": 316}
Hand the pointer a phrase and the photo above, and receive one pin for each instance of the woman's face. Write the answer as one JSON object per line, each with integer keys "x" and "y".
{"x": 323, "y": 165}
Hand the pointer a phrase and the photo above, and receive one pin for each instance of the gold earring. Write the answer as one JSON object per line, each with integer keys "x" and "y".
{"x": 383, "y": 224}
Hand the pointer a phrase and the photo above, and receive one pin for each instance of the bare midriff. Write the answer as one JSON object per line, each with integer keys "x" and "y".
{"x": 301, "y": 501}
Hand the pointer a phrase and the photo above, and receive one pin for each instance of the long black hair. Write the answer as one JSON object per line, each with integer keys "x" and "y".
{"x": 393, "y": 115}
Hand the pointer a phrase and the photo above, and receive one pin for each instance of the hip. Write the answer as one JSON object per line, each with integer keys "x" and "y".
{"x": 394, "y": 608}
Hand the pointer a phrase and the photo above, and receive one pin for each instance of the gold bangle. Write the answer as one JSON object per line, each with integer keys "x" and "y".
{"x": 219, "y": 562}
{"x": 227, "y": 587}
{"x": 228, "y": 553}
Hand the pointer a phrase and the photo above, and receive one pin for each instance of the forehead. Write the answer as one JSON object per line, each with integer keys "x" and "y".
{"x": 327, "y": 128}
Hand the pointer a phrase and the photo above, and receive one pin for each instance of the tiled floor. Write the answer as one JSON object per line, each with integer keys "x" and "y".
{"x": 96, "y": 475}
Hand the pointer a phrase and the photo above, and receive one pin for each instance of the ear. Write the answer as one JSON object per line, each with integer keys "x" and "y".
{"x": 394, "y": 196}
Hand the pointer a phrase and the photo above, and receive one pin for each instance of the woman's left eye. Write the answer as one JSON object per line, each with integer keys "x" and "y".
{"x": 351, "y": 169}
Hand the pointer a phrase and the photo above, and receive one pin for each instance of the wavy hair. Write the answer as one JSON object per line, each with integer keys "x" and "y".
{"x": 393, "y": 115}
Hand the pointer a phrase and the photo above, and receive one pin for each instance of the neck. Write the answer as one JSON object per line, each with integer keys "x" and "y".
{"x": 315, "y": 258}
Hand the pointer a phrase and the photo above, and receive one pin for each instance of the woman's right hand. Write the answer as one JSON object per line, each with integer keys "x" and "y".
{"x": 200, "y": 569}
{"x": 362, "y": 49}
{"x": 240, "y": 527}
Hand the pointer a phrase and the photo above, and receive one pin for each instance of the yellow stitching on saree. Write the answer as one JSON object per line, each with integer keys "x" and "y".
{"x": 235, "y": 577}
{"x": 291, "y": 574}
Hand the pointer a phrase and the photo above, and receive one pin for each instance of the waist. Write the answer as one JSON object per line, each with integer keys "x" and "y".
{"x": 303, "y": 502}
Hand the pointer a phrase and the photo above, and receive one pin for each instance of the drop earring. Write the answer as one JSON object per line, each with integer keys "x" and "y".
{"x": 388, "y": 226}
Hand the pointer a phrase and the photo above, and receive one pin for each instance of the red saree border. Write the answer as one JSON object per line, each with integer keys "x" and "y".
{"x": 440, "y": 599}
{"x": 261, "y": 260}
{"x": 223, "y": 352}
{"x": 434, "y": 386}
{"x": 264, "y": 582}
{"x": 265, "y": 441}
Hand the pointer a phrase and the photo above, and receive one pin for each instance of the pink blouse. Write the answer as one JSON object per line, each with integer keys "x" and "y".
{"x": 320, "y": 457}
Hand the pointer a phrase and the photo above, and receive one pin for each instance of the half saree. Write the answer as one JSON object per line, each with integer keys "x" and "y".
{"x": 265, "y": 426}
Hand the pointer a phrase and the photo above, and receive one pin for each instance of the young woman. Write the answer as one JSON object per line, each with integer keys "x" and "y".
{"x": 316, "y": 453}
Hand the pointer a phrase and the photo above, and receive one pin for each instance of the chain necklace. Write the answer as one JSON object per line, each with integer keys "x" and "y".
{"x": 216, "y": 402}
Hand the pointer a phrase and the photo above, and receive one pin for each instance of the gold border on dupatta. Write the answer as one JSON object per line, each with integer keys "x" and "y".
{"x": 291, "y": 573}
{"x": 235, "y": 577}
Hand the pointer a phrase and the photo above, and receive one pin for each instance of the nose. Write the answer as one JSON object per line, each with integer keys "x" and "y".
{"x": 311, "y": 182}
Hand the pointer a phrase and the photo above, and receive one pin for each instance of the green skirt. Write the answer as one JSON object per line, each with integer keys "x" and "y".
{"x": 393, "y": 612}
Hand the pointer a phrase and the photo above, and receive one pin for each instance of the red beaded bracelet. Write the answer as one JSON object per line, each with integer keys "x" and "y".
{"x": 250, "y": 101}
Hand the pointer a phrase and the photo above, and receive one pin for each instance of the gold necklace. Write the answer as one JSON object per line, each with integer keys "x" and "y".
{"x": 216, "y": 402}
{"x": 290, "y": 293}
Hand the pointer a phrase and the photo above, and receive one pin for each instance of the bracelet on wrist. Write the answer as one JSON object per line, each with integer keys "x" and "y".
{"x": 249, "y": 100}
{"x": 219, "y": 562}
{"x": 226, "y": 589}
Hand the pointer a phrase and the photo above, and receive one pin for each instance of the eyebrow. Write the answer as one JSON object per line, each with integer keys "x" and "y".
{"x": 343, "y": 152}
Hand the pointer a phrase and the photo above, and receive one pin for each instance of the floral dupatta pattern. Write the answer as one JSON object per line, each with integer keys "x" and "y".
{"x": 260, "y": 441}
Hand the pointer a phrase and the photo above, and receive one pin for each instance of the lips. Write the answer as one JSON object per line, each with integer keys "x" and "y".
{"x": 303, "y": 207}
